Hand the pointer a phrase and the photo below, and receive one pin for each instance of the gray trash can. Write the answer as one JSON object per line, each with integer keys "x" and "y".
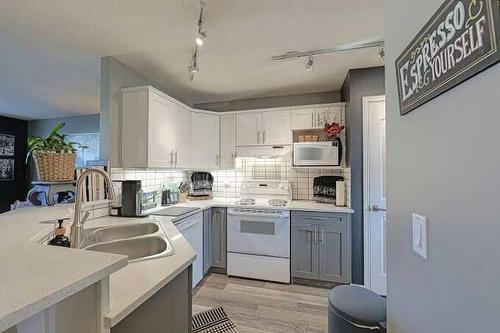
{"x": 354, "y": 309}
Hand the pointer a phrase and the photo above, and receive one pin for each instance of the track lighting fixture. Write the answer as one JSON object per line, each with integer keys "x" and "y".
{"x": 199, "y": 40}
{"x": 310, "y": 54}
{"x": 202, "y": 34}
{"x": 310, "y": 63}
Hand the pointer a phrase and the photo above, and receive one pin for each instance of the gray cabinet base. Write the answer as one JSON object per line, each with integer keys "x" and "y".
{"x": 167, "y": 311}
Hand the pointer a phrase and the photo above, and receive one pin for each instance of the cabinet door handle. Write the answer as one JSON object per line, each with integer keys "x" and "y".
{"x": 176, "y": 158}
{"x": 312, "y": 120}
{"x": 316, "y": 218}
{"x": 315, "y": 238}
{"x": 263, "y": 136}
{"x": 322, "y": 235}
{"x": 258, "y": 137}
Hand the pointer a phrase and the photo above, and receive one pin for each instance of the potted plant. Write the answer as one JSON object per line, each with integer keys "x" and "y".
{"x": 54, "y": 157}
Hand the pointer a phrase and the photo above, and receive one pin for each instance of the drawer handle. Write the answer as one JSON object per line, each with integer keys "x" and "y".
{"x": 317, "y": 218}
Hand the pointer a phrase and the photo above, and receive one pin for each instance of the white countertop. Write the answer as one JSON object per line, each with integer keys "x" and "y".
{"x": 33, "y": 276}
{"x": 313, "y": 206}
{"x": 133, "y": 285}
{"x": 300, "y": 205}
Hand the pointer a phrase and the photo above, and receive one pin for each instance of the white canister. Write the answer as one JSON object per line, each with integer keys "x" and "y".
{"x": 340, "y": 193}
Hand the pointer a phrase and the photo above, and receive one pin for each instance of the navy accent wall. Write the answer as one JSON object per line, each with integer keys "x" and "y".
{"x": 12, "y": 190}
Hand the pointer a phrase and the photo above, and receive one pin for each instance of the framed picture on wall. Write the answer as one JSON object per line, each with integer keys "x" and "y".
{"x": 6, "y": 169}
{"x": 7, "y": 143}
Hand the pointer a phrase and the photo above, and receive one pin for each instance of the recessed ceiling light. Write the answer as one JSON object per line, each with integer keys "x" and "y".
{"x": 310, "y": 63}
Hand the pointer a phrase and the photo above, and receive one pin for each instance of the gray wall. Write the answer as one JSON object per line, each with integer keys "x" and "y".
{"x": 358, "y": 83}
{"x": 77, "y": 124}
{"x": 115, "y": 76}
{"x": 443, "y": 163}
{"x": 271, "y": 102}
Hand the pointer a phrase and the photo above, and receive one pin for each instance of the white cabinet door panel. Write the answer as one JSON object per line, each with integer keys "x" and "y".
{"x": 303, "y": 118}
{"x": 161, "y": 132}
{"x": 276, "y": 127}
{"x": 204, "y": 140}
{"x": 227, "y": 141}
{"x": 182, "y": 130}
{"x": 249, "y": 129}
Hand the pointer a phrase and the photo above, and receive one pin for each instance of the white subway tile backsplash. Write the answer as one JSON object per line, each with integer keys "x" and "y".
{"x": 227, "y": 183}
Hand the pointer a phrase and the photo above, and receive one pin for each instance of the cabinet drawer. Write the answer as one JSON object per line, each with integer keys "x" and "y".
{"x": 320, "y": 218}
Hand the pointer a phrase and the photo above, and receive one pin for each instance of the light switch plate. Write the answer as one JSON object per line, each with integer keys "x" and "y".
{"x": 419, "y": 226}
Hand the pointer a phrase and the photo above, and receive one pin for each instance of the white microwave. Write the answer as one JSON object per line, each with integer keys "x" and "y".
{"x": 324, "y": 153}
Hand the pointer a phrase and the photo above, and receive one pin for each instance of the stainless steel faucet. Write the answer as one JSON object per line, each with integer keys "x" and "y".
{"x": 77, "y": 226}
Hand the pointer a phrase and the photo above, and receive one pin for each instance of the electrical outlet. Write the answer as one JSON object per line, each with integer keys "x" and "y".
{"x": 419, "y": 226}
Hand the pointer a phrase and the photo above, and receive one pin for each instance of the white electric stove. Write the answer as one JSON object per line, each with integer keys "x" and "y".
{"x": 258, "y": 232}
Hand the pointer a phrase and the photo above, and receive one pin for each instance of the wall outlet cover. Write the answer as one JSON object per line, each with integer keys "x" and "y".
{"x": 419, "y": 228}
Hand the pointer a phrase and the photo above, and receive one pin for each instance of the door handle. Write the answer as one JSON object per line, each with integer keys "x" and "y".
{"x": 376, "y": 208}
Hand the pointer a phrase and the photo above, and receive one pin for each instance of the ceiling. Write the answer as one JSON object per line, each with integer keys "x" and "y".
{"x": 51, "y": 49}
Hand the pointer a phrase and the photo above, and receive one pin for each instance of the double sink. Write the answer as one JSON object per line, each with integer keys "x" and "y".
{"x": 138, "y": 241}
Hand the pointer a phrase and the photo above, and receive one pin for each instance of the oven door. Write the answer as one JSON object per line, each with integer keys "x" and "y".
{"x": 258, "y": 233}
{"x": 315, "y": 154}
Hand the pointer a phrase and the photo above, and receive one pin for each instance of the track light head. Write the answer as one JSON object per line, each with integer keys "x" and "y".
{"x": 200, "y": 37}
{"x": 310, "y": 63}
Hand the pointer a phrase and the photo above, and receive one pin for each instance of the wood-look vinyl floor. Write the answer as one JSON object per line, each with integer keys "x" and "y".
{"x": 259, "y": 306}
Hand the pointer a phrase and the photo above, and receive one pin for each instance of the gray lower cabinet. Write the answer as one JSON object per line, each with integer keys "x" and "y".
{"x": 207, "y": 240}
{"x": 219, "y": 238}
{"x": 304, "y": 252}
{"x": 321, "y": 246}
{"x": 168, "y": 311}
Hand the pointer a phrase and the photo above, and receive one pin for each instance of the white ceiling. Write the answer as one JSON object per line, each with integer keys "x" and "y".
{"x": 51, "y": 49}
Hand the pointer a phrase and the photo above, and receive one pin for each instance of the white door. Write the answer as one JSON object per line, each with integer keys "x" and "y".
{"x": 303, "y": 118}
{"x": 204, "y": 140}
{"x": 276, "y": 128}
{"x": 227, "y": 141}
{"x": 374, "y": 171}
{"x": 182, "y": 137}
{"x": 249, "y": 129}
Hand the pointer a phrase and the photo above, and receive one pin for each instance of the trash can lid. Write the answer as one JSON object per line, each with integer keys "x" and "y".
{"x": 358, "y": 304}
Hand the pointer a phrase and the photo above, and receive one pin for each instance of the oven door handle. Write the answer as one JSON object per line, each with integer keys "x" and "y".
{"x": 249, "y": 214}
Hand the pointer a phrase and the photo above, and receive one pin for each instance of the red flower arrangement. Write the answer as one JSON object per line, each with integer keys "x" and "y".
{"x": 333, "y": 130}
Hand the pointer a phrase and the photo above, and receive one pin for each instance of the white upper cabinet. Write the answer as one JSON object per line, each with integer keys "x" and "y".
{"x": 303, "y": 118}
{"x": 204, "y": 140}
{"x": 276, "y": 128}
{"x": 227, "y": 141}
{"x": 182, "y": 149}
{"x": 248, "y": 129}
{"x": 161, "y": 132}
{"x": 329, "y": 114}
{"x": 315, "y": 117}
{"x": 263, "y": 128}
{"x": 155, "y": 130}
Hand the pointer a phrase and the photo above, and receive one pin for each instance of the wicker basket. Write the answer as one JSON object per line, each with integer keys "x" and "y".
{"x": 55, "y": 167}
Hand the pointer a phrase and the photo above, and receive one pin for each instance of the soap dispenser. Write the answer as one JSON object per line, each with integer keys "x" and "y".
{"x": 60, "y": 239}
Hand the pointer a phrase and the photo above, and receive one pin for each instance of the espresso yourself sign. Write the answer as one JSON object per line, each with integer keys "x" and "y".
{"x": 458, "y": 42}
